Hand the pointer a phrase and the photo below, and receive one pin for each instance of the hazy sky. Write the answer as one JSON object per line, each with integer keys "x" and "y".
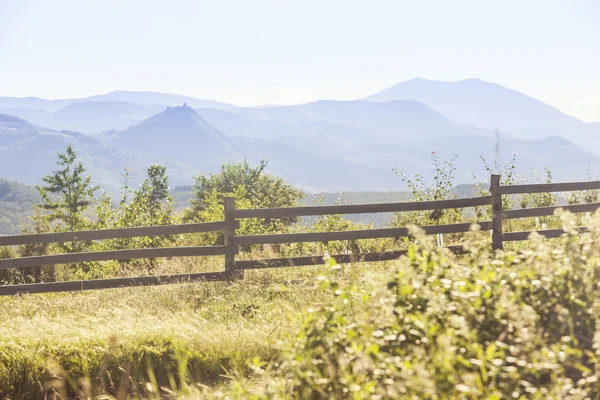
{"x": 251, "y": 52}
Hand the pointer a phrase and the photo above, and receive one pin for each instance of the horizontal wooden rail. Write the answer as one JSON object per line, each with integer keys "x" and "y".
{"x": 74, "y": 286}
{"x": 234, "y": 269}
{"x": 547, "y": 233}
{"x": 354, "y": 235}
{"x": 549, "y": 187}
{"x": 34, "y": 261}
{"x": 543, "y": 211}
{"x": 319, "y": 260}
{"x": 362, "y": 208}
{"x": 120, "y": 233}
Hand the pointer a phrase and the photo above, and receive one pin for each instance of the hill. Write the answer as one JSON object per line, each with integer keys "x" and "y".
{"x": 258, "y": 125}
{"x": 179, "y": 134}
{"x": 28, "y": 152}
{"x": 98, "y": 116}
{"x": 566, "y": 159}
{"x": 118, "y": 109}
{"x": 16, "y": 204}
{"x": 395, "y": 121}
{"x": 486, "y": 105}
{"x": 32, "y": 103}
{"x": 154, "y": 98}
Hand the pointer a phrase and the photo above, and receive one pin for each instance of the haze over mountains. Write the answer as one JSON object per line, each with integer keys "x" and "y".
{"x": 323, "y": 145}
{"x": 487, "y": 105}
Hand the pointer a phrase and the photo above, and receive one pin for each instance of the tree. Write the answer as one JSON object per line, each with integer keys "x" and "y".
{"x": 251, "y": 187}
{"x": 155, "y": 191}
{"x": 66, "y": 195}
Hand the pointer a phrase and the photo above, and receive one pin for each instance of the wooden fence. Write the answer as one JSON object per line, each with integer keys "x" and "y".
{"x": 234, "y": 269}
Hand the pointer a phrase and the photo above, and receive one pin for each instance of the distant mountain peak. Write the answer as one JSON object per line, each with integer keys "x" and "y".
{"x": 488, "y": 105}
{"x": 180, "y": 134}
{"x": 184, "y": 108}
{"x": 177, "y": 113}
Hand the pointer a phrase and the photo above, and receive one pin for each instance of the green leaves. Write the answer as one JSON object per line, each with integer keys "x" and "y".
{"x": 150, "y": 205}
{"x": 520, "y": 325}
{"x": 251, "y": 188}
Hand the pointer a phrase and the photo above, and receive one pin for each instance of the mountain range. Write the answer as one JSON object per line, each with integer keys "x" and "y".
{"x": 324, "y": 145}
{"x": 489, "y": 106}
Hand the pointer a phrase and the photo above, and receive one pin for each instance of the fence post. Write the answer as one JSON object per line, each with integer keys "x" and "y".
{"x": 496, "y": 213}
{"x": 229, "y": 238}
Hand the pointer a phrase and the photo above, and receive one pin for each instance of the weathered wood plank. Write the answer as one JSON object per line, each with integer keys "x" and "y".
{"x": 548, "y": 234}
{"x": 362, "y": 208}
{"x": 229, "y": 236}
{"x": 543, "y": 211}
{"x": 354, "y": 235}
{"x": 116, "y": 255}
{"x": 318, "y": 260}
{"x": 496, "y": 213}
{"x": 549, "y": 187}
{"x": 117, "y": 233}
{"x": 73, "y": 286}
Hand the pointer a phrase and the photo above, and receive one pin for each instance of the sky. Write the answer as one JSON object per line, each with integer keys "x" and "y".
{"x": 256, "y": 52}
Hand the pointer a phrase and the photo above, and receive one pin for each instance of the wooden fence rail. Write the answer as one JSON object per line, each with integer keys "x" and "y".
{"x": 234, "y": 268}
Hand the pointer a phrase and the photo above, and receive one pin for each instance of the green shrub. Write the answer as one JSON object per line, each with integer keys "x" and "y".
{"x": 517, "y": 325}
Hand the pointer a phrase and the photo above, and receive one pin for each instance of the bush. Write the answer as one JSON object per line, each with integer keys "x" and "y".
{"x": 510, "y": 326}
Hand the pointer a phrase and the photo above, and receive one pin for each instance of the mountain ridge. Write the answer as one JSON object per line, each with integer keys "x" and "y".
{"x": 322, "y": 145}
{"x": 486, "y": 105}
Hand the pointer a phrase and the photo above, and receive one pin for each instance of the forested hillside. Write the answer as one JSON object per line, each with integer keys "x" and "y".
{"x": 16, "y": 204}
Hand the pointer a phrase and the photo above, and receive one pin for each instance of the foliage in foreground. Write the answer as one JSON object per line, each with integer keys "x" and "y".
{"x": 514, "y": 326}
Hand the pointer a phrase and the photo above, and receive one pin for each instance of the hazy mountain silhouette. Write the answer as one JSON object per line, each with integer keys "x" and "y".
{"x": 313, "y": 171}
{"x": 26, "y": 107}
{"x": 13, "y": 129}
{"x": 28, "y": 152}
{"x": 235, "y": 124}
{"x": 32, "y": 103}
{"x": 324, "y": 145}
{"x": 566, "y": 159}
{"x": 151, "y": 98}
{"x": 395, "y": 121}
{"x": 98, "y": 116}
{"x": 179, "y": 134}
{"x": 32, "y": 115}
{"x": 486, "y": 105}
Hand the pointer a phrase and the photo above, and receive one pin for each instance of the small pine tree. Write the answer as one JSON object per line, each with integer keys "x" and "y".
{"x": 66, "y": 195}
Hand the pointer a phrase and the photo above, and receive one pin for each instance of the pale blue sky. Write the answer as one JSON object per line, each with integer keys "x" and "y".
{"x": 251, "y": 52}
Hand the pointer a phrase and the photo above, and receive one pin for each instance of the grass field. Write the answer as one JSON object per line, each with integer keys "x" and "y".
{"x": 212, "y": 328}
